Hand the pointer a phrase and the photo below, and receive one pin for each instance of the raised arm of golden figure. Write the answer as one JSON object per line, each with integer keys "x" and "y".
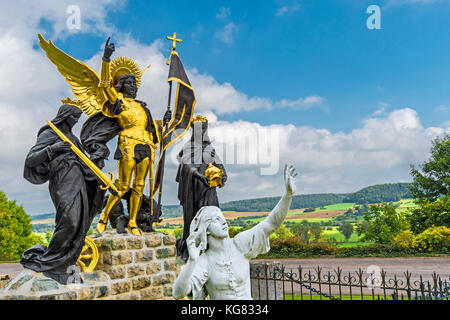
{"x": 105, "y": 75}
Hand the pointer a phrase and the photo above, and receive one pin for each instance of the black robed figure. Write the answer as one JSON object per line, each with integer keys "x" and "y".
{"x": 75, "y": 193}
{"x": 194, "y": 190}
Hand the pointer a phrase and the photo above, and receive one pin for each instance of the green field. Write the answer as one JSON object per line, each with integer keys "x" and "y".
{"x": 339, "y": 237}
{"x": 337, "y": 206}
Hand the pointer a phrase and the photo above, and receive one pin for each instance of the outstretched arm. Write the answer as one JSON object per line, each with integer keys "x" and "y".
{"x": 105, "y": 76}
{"x": 276, "y": 217}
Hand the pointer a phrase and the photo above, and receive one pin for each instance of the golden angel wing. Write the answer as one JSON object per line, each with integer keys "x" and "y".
{"x": 83, "y": 80}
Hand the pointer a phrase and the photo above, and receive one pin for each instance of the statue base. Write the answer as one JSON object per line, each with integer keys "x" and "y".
{"x": 129, "y": 268}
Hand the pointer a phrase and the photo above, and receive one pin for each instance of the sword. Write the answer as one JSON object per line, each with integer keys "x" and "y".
{"x": 108, "y": 182}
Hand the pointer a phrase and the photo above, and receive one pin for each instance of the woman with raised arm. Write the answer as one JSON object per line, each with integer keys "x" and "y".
{"x": 219, "y": 266}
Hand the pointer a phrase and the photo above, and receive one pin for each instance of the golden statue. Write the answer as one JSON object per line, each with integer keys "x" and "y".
{"x": 113, "y": 95}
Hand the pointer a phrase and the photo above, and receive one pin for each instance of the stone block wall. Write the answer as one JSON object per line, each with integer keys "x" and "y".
{"x": 140, "y": 268}
{"x": 129, "y": 268}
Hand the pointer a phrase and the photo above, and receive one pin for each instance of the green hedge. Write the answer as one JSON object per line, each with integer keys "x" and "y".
{"x": 294, "y": 248}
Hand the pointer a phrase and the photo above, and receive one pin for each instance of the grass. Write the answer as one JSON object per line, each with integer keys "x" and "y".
{"x": 337, "y": 206}
{"x": 405, "y": 204}
{"x": 310, "y": 220}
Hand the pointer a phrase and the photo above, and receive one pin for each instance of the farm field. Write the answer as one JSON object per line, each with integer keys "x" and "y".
{"x": 320, "y": 214}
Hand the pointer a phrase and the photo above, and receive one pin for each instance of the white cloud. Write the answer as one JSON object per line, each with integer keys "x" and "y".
{"x": 227, "y": 33}
{"x": 288, "y": 9}
{"x": 380, "y": 151}
{"x": 223, "y": 13}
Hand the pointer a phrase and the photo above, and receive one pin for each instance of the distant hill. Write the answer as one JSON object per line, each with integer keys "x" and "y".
{"x": 43, "y": 216}
{"x": 373, "y": 194}
{"x": 389, "y": 192}
{"x": 380, "y": 193}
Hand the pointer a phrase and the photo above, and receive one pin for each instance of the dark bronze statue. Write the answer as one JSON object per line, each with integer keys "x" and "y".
{"x": 196, "y": 180}
{"x": 75, "y": 193}
{"x": 119, "y": 219}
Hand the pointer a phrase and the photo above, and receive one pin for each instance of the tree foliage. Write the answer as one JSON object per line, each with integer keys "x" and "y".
{"x": 430, "y": 214}
{"x": 346, "y": 229}
{"x": 431, "y": 188}
{"x": 383, "y": 223}
{"x": 316, "y": 232}
{"x": 380, "y": 193}
{"x": 433, "y": 180}
{"x": 301, "y": 231}
{"x": 15, "y": 230}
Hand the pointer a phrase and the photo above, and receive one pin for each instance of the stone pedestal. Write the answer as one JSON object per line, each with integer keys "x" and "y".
{"x": 129, "y": 268}
{"x": 266, "y": 283}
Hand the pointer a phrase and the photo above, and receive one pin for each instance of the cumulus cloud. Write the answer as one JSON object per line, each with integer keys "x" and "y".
{"x": 379, "y": 151}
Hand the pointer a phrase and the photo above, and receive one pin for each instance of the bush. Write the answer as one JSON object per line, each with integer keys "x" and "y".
{"x": 433, "y": 239}
{"x": 15, "y": 230}
{"x": 233, "y": 231}
{"x": 405, "y": 239}
{"x": 295, "y": 247}
{"x": 375, "y": 250}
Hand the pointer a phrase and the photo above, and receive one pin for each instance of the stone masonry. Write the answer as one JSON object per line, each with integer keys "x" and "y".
{"x": 129, "y": 268}
{"x": 140, "y": 268}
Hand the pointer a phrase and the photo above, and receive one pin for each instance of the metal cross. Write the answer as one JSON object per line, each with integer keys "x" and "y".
{"x": 175, "y": 40}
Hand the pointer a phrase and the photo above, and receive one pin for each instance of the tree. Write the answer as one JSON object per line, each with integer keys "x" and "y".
{"x": 434, "y": 180}
{"x": 15, "y": 230}
{"x": 431, "y": 188}
{"x": 301, "y": 231}
{"x": 383, "y": 223}
{"x": 430, "y": 214}
{"x": 316, "y": 231}
{"x": 346, "y": 229}
{"x": 283, "y": 233}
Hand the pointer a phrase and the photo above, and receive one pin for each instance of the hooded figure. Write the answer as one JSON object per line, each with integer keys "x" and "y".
{"x": 194, "y": 190}
{"x": 75, "y": 193}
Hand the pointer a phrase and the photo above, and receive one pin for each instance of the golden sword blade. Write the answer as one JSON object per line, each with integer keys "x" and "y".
{"x": 108, "y": 182}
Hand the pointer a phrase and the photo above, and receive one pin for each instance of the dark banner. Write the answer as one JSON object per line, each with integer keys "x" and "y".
{"x": 182, "y": 114}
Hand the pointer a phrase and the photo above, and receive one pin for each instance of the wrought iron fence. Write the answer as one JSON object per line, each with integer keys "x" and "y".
{"x": 271, "y": 281}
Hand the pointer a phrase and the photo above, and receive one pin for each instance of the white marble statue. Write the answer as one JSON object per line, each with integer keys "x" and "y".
{"x": 219, "y": 266}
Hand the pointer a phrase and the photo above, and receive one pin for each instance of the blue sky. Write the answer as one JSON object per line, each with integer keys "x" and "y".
{"x": 312, "y": 48}
{"x": 351, "y": 106}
